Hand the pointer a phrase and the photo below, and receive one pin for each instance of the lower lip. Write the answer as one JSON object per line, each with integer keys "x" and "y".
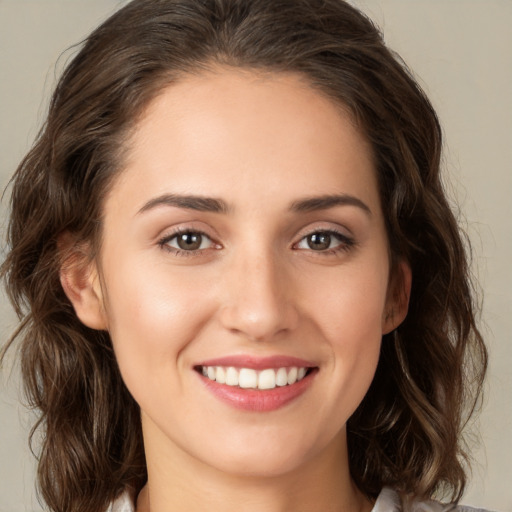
{"x": 258, "y": 400}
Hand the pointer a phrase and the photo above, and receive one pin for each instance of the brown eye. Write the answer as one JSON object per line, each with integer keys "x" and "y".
{"x": 319, "y": 241}
{"x": 325, "y": 241}
{"x": 187, "y": 241}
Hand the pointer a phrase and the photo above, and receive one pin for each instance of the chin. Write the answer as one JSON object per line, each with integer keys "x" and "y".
{"x": 269, "y": 456}
{"x": 264, "y": 464}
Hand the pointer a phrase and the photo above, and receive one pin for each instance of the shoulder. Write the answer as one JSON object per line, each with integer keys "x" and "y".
{"x": 390, "y": 501}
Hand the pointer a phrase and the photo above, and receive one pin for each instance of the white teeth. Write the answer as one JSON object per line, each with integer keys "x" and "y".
{"x": 248, "y": 378}
{"x": 220, "y": 375}
{"x": 292, "y": 375}
{"x": 267, "y": 379}
{"x": 282, "y": 377}
{"x": 232, "y": 376}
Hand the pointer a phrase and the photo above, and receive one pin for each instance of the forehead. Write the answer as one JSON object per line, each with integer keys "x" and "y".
{"x": 232, "y": 130}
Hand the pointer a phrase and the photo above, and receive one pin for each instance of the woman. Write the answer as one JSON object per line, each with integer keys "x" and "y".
{"x": 239, "y": 279}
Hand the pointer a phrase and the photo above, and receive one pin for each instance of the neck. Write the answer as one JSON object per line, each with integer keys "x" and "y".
{"x": 178, "y": 482}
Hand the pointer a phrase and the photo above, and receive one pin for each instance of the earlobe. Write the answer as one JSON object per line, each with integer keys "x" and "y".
{"x": 80, "y": 281}
{"x": 397, "y": 303}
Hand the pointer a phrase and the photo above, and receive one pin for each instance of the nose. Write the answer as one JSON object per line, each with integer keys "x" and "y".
{"x": 259, "y": 302}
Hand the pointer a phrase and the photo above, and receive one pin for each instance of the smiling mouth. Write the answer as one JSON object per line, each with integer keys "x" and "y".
{"x": 249, "y": 378}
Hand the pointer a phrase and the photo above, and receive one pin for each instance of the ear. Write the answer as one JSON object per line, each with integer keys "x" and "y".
{"x": 397, "y": 301}
{"x": 80, "y": 280}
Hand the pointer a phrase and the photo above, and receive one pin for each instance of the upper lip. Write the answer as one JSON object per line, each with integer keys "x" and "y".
{"x": 258, "y": 363}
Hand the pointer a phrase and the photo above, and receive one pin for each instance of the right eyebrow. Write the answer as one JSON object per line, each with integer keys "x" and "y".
{"x": 190, "y": 202}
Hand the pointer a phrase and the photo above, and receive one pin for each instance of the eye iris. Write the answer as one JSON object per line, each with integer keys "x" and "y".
{"x": 189, "y": 241}
{"x": 319, "y": 241}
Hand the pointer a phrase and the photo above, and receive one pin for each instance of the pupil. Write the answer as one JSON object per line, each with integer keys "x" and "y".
{"x": 319, "y": 241}
{"x": 189, "y": 241}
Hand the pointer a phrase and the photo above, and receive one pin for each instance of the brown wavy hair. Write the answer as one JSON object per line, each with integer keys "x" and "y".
{"x": 407, "y": 431}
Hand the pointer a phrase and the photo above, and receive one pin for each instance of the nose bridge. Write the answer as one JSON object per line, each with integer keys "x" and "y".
{"x": 258, "y": 303}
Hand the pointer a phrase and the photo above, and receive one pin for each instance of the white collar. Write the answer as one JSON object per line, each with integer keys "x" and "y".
{"x": 388, "y": 500}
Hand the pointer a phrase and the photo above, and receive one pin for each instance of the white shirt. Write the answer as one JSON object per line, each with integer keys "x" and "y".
{"x": 387, "y": 501}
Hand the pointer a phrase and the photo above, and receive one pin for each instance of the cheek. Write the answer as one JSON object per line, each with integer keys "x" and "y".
{"x": 152, "y": 318}
{"x": 349, "y": 304}
{"x": 349, "y": 317}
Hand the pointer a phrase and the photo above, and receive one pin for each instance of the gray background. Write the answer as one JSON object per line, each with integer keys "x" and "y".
{"x": 461, "y": 51}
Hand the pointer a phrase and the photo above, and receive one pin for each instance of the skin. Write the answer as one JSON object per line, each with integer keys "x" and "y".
{"x": 260, "y": 144}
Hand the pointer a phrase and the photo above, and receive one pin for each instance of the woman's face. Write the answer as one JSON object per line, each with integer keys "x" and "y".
{"x": 244, "y": 240}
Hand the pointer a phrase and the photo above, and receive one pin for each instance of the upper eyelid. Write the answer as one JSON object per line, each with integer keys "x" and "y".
{"x": 334, "y": 232}
{"x": 173, "y": 231}
{"x": 179, "y": 231}
{"x": 337, "y": 230}
{"x": 346, "y": 240}
{"x": 175, "y": 234}
{"x": 163, "y": 241}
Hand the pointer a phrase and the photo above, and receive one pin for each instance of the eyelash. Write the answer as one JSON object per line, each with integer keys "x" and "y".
{"x": 346, "y": 243}
{"x": 163, "y": 242}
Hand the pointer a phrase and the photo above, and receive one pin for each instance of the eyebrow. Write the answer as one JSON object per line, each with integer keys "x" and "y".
{"x": 214, "y": 205}
{"x": 190, "y": 202}
{"x": 325, "y": 202}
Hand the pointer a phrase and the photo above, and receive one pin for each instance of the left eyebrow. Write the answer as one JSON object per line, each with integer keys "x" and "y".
{"x": 310, "y": 204}
{"x": 190, "y": 202}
